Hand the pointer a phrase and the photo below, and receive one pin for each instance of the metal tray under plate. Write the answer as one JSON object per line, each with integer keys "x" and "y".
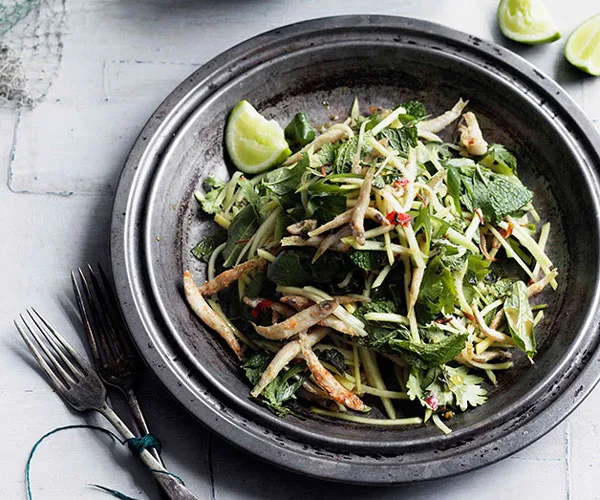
{"x": 319, "y": 67}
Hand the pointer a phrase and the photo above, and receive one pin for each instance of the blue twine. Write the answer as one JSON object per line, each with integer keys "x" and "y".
{"x": 136, "y": 445}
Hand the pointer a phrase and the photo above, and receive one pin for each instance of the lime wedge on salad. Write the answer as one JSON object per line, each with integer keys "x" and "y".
{"x": 527, "y": 21}
{"x": 583, "y": 46}
{"x": 254, "y": 143}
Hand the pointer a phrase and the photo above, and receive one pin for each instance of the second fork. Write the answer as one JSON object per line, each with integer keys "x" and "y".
{"x": 112, "y": 354}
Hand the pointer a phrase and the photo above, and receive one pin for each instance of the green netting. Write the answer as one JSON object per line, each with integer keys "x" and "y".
{"x": 12, "y": 12}
{"x": 31, "y": 46}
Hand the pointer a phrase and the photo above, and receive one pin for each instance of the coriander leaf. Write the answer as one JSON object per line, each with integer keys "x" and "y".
{"x": 299, "y": 132}
{"x": 433, "y": 354}
{"x": 344, "y": 156}
{"x": 520, "y": 318}
{"x": 294, "y": 268}
{"x": 248, "y": 191}
{"x": 401, "y": 139}
{"x": 205, "y": 247}
{"x": 284, "y": 180}
{"x": 334, "y": 358}
{"x": 368, "y": 260}
{"x": 209, "y": 200}
{"x": 413, "y": 384}
{"x": 466, "y": 388}
{"x": 443, "y": 396}
{"x": 242, "y": 228}
{"x": 415, "y": 108}
{"x": 499, "y": 160}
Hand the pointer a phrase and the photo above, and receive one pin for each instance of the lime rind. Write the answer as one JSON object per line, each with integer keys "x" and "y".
{"x": 582, "y": 49}
{"x": 527, "y": 21}
{"x": 254, "y": 143}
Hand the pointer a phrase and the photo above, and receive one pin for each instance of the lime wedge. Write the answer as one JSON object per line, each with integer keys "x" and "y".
{"x": 527, "y": 21}
{"x": 254, "y": 143}
{"x": 583, "y": 46}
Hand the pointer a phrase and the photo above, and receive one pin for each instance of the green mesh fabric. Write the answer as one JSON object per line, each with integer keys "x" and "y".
{"x": 12, "y": 12}
{"x": 31, "y": 45}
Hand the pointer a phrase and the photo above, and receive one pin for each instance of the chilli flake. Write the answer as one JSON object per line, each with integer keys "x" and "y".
{"x": 260, "y": 307}
{"x": 398, "y": 218}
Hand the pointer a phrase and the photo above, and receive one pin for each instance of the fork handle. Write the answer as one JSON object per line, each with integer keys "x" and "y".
{"x": 140, "y": 420}
{"x": 172, "y": 487}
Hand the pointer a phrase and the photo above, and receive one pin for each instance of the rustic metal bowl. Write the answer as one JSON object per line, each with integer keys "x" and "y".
{"x": 319, "y": 67}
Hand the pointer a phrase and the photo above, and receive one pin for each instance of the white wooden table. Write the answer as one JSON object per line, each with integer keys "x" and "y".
{"x": 60, "y": 162}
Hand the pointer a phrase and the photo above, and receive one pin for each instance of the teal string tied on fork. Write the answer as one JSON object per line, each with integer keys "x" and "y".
{"x": 136, "y": 445}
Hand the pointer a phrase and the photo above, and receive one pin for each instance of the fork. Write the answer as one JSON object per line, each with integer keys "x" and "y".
{"x": 80, "y": 386}
{"x": 112, "y": 354}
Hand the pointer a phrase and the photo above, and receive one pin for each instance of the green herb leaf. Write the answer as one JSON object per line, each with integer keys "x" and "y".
{"x": 284, "y": 180}
{"x": 299, "y": 132}
{"x": 520, "y": 318}
{"x": 422, "y": 222}
{"x": 325, "y": 155}
{"x": 334, "y": 358}
{"x": 205, "y": 247}
{"x": 433, "y": 354}
{"x": 368, "y": 260}
{"x": 344, "y": 156}
{"x": 282, "y": 389}
{"x": 325, "y": 208}
{"x": 500, "y": 160}
{"x": 294, "y": 268}
{"x": 454, "y": 186}
{"x": 401, "y": 139}
{"x": 499, "y": 197}
{"x": 415, "y": 108}
{"x": 242, "y": 228}
{"x": 466, "y": 388}
{"x": 208, "y": 199}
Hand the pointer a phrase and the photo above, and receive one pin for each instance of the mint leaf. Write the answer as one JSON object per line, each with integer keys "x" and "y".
{"x": 344, "y": 156}
{"x": 401, "y": 139}
{"x": 326, "y": 155}
{"x": 325, "y": 208}
{"x": 520, "y": 318}
{"x": 434, "y": 354}
{"x": 299, "y": 132}
{"x": 205, "y": 247}
{"x": 294, "y": 268}
{"x": 368, "y": 260}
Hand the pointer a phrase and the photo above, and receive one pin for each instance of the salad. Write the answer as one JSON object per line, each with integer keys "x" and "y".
{"x": 372, "y": 272}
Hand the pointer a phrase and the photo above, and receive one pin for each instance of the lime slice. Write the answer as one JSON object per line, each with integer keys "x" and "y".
{"x": 254, "y": 143}
{"x": 583, "y": 46}
{"x": 527, "y": 21}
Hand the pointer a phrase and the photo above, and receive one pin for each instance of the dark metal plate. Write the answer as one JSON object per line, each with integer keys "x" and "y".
{"x": 383, "y": 61}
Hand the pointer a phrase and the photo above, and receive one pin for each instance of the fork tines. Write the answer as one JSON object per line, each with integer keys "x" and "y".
{"x": 59, "y": 360}
{"x": 101, "y": 318}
